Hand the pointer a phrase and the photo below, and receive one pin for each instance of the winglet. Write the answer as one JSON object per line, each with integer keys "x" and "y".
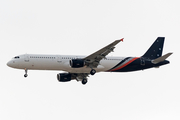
{"x": 122, "y": 39}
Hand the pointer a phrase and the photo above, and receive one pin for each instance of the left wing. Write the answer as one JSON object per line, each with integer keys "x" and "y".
{"x": 94, "y": 59}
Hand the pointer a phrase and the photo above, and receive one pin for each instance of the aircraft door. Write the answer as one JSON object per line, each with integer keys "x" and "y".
{"x": 59, "y": 59}
{"x": 142, "y": 61}
{"x": 26, "y": 58}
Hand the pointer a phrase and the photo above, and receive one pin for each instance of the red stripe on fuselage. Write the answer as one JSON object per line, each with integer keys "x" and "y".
{"x": 125, "y": 64}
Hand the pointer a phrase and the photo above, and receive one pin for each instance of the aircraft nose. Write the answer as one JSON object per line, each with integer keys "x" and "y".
{"x": 9, "y": 64}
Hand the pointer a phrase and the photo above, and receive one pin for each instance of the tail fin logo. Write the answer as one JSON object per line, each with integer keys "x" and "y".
{"x": 156, "y": 49}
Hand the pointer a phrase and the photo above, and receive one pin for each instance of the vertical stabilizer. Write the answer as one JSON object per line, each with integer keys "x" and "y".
{"x": 155, "y": 51}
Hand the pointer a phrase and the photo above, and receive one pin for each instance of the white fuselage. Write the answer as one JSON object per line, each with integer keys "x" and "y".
{"x": 58, "y": 62}
{"x": 80, "y": 67}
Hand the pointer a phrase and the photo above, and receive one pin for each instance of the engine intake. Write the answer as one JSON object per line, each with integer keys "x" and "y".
{"x": 77, "y": 63}
{"x": 64, "y": 77}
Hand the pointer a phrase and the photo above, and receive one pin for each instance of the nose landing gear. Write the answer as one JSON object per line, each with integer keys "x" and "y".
{"x": 25, "y": 75}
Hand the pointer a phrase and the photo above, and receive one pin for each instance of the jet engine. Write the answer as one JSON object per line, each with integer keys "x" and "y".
{"x": 64, "y": 77}
{"x": 77, "y": 63}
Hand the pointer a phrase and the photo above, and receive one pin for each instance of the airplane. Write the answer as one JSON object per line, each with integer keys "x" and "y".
{"x": 80, "y": 67}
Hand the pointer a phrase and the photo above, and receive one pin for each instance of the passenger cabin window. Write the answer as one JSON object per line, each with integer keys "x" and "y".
{"x": 16, "y": 57}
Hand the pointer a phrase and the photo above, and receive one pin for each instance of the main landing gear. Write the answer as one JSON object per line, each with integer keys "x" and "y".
{"x": 25, "y": 75}
{"x": 93, "y": 71}
{"x": 84, "y": 81}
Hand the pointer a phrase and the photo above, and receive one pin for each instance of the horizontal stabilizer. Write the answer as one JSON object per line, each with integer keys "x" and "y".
{"x": 160, "y": 59}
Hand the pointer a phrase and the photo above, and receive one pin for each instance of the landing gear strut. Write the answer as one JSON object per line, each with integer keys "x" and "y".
{"x": 25, "y": 75}
{"x": 84, "y": 81}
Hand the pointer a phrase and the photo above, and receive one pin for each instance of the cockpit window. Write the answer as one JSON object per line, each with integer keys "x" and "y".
{"x": 16, "y": 57}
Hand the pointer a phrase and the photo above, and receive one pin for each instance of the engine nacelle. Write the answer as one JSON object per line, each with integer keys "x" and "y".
{"x": 77, "y": 63}
{"x": 64, "y": 77}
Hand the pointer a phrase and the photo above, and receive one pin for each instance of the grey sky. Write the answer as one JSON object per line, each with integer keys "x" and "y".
{"x": 82, "y": 27}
